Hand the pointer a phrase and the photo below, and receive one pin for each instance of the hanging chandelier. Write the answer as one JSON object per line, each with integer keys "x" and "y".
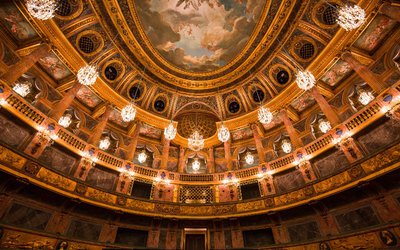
{"x": 196, "y": 141}
{"x": 22, "y": 88}
{"x": 105, "y": 143}
{"x": 65, "y": 120}
{"x": 324, "y": 126}
{"x": 305, "y": 80}
{"x": 170, "y": 132}
{"x": 265, "y": 116}
{"x": 223, "y": 133}
{"x": 128, "y": 113}
{"x": 41, "y": 9}
{"x": 365, "y": 97}
{"x": 196, "y": 165}
{"x": 142, "y": 157}
{"x": 249, "y": 158}
{"x": 286, "y": 146}
{"x": 350, "y": 17}
{"x": 87, "y": 75}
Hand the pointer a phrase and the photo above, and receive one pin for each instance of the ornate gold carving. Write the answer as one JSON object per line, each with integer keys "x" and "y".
{"x": 332, "y": 182}
{"x": 55, "y": 179}
{"x": 140, "y": 205}
{"x": 379, "y": 161}
{"x": 290, "y": 197}
{"x": 250, "y": 206}
{"x": 196, "y": 210}
{"x": 11, "y": 159}
{"x": 100, "y": 195}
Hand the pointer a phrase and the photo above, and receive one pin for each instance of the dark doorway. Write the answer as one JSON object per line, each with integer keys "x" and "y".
{"x": 195, "y": 242}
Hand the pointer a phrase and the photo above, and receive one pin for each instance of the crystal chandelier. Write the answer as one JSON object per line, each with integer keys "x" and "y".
{"x": 286, "y": 146}
{"x": 41, "y": 9}
{"x": 22, "y": 88}
{"x": 196, "y": 141}
{"x": 324, "y": 126}
{"x": 128, "y": 113}
{"x": 223, "y": 133}
{"x": 265, "y": 116}
{"x": 350, "y": 17}
{"x": 196, "y": 165}
{"x": 365, "y": 97}
{"x": 65, "y": 120}
{"x": 170, "y": 132}
{"x": 305, "y": 80}
{"x": 87, "y": 75}
{"x": 249, "y": 158}
{"x": 142, "y": 157}
{"x": 105, "y": 143}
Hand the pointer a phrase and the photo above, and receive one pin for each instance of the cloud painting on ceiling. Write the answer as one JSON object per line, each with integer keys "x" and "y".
{"x": 199, "y": 35}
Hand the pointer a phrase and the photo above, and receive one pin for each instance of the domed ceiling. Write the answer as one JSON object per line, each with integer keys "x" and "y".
{"x": 197, "y": 46}
{"x": 199, "y": 36}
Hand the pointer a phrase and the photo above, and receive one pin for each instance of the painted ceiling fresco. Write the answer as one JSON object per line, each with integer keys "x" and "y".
{"x": 15, "y": 22}
{"x": 199, "y": 35}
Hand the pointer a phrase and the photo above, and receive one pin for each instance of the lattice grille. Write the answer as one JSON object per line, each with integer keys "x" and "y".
{"x": 86, "y": 44}
{"x": 307, "y": 51}
{"x": 64, "y": 8}
{"x": 329, "y": 15}
{"x": 196, "y": 194}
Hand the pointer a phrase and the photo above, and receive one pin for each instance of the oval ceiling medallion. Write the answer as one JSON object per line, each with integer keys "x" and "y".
{"x": 199, "y": 36}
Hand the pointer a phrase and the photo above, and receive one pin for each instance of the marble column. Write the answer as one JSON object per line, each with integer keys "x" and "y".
{"x": 391, "y": 11}
{"x": 181, "y": 163}
{"x": 294, "y": 137}
{"x": 259, "y": 145}
{"x": 363, "y": 71}
{"x": 228, "y": 155}
{"x": 132, "y": 146}
{"x": 211, "y": 161}
{"x": 165, "y": 154}
{"x": 26, "y": 62}
{"x": 98, "y": 130}
{"x": 328, "y": 111}
{"x": 59, "y": 108}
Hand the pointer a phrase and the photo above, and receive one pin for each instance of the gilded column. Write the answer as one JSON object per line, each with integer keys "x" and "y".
{"x": 165, "y": 154}
{"x": 59, "y": 109}
{"x": 259, "y": 145}
{"x": 294, "y": 137}
{"x": 228, "y": 155}
{"x": 391, "y": 11}
{"x": 26, "y": 62}
{"x": 211, "y": 161}
{"x": 328, "y": 111}
{"x": 132, "y": 146}
{"x": 367, "y": 75}
{"x": 181, "y": 164}
{"x": 98, "y": 130}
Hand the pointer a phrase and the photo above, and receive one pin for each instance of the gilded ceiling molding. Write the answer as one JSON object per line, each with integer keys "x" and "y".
{"x": 78, "y": 25}
{"x": 315, "y": 32}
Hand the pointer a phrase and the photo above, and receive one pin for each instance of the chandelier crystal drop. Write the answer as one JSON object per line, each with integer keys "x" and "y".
{"x": 128, "y": 113}
{"x": 286, "y": 146}
{"x": 142, "y": 157}
{"x": 105, "y": 143}
{"x": 22, "y": 88}
{"x": 265, "y": 116}
{"x": 365, "y": 97}
{"x": 350, "y": 17}
{"x": 196, "y": 141}
{"x": 305, "y": 80}
{"x": 324, "y": 126}
{"x": 249, "y": 158}
{"x": 223, "y": 133}
{"x": 41, "y": 9}
{"x": 170, "y": 132}
{"x": 65, "y": 120}
{"x": 196, "y": 165}
{"x": 87, "y": 75}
